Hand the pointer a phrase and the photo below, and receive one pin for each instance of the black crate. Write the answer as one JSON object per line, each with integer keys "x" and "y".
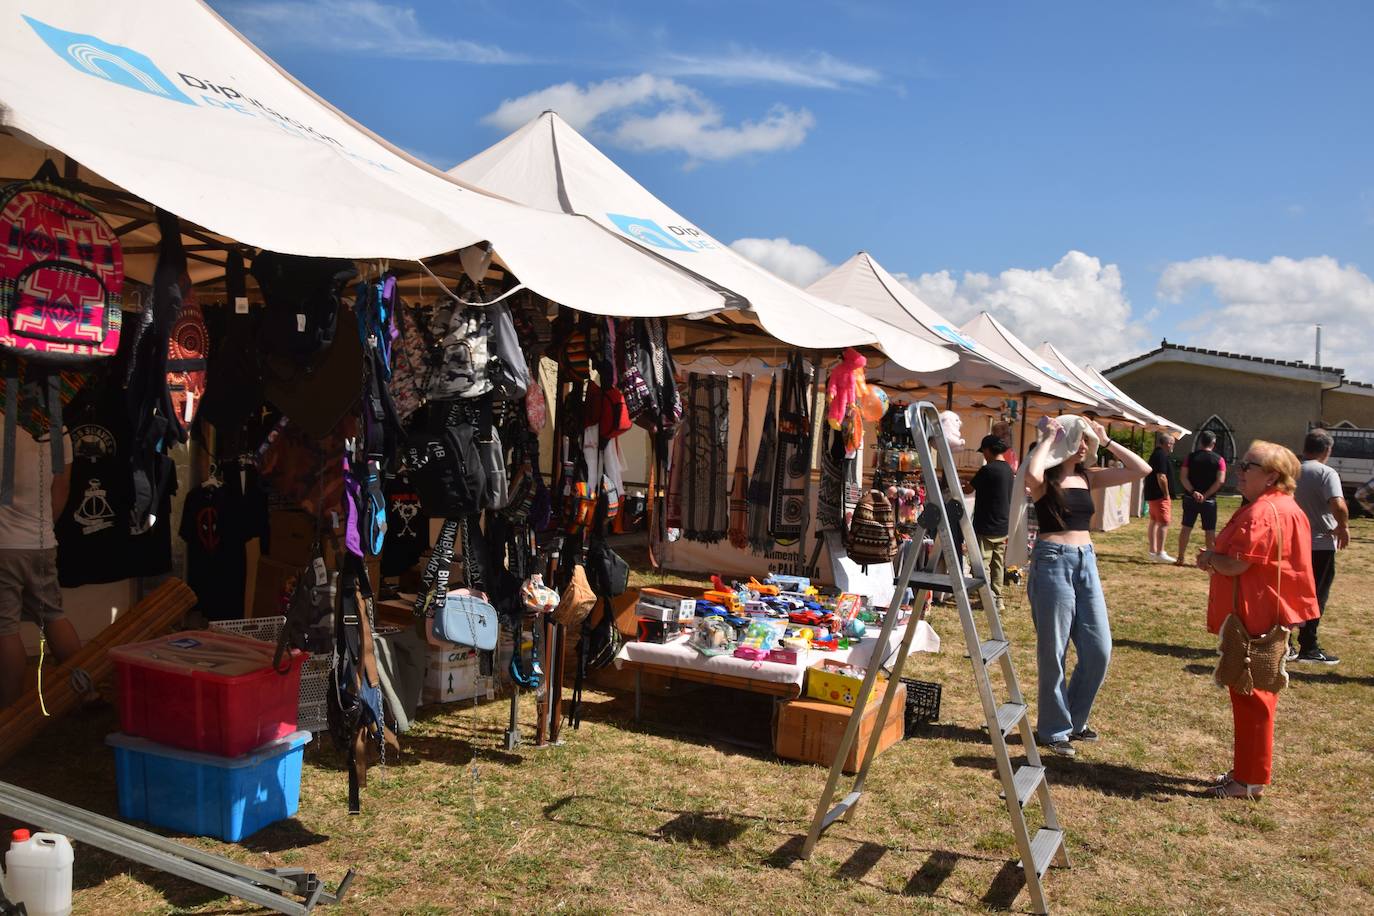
{"x": 922, "y": 704}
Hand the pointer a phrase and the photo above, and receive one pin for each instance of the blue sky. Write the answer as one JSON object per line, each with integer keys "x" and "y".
{"x": 1098, "y": 174}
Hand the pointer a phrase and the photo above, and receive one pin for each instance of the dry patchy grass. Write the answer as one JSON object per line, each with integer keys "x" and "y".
{"x": 626, "y": 818}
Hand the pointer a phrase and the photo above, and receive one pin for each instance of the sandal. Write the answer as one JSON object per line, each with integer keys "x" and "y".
{"x": 1235, "y": 789}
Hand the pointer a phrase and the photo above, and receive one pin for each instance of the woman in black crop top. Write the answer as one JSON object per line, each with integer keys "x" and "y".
{"x": 1064, "y": 589}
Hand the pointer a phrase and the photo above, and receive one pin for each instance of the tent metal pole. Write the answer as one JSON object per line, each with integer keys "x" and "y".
{"x": 949, "y": 395}
{"x": 810, "y": 460}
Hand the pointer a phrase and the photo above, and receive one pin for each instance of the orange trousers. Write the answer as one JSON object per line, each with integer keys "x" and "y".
{"x": 1254, "y": 722}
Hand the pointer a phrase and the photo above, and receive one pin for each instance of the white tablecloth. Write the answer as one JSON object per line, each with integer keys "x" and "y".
{"x": 677, "y": 654}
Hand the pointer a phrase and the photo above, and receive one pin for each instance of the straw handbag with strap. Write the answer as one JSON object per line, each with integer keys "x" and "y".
{"x": 1250, "y": 663}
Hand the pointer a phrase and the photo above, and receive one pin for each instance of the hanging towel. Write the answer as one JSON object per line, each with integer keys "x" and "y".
{"x": 761, "y": 483}
{"x": 706, "y": 489}
{"x": 794, "y": 454}
{"x": 739, "y": 486}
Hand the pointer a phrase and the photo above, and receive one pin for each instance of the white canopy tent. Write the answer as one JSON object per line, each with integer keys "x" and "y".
{"x": 862, "y": 283}
{"x": 165, "y": 100}
{"x": 1084, "y": 380}
{"x": 993, "y": 335}
{"x": 549, "y": 165}
{"x": 1161, "y": 422}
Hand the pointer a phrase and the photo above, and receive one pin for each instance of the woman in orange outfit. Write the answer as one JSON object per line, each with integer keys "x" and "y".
{"x": 1262, "y": 572}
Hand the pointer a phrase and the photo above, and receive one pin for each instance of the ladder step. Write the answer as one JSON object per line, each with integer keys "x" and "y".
{"x": 840, "y": 809}
{"x": 993, "y": 649}
{"x": 1027, "y": 779}
{"x": 1009, "y": 716}
{"x": 940, "y": 582}
{"x": 1044, "y": 847}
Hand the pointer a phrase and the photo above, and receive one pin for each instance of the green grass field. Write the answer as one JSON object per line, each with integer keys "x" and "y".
{"x": 638, "y": 819}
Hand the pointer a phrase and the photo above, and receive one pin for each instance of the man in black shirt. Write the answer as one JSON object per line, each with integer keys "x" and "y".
{"x": 1159, "y": 494}
{"x": 1204, "y": 471}
{"x": 991, "y": 507}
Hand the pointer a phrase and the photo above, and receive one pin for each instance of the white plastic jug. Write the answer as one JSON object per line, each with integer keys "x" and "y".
{"x": 38, "y": 873}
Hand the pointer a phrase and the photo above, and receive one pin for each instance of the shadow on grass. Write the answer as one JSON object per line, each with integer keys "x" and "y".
{"x": 1107, "y": 778}
{"x": 283, "y": 835}
{"x": 712, "y": 828}
{"x": 1304, "y": 676}
{"x": 1164, "y": 648}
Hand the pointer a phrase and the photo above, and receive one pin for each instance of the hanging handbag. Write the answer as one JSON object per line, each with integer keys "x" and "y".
{"x": 1249, "y": 663}
{"x": 466, "y": 619}
{"x": 577, "y": 601}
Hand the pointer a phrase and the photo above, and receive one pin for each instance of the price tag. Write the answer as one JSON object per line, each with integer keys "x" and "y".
{"x": 321, "y": 574}
{"x": 300, "y": 323}
{"x": 240, "y": 305}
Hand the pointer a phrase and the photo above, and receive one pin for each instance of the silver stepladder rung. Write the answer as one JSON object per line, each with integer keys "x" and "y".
{"x": 992, "y": 649}
{"x": 1026, "y": 780}
{"x": 940, "y": 582}
{"x": 1044, "y": 848}
{"x": 1036, "y": 849}
{"x": 1009, "y": 715}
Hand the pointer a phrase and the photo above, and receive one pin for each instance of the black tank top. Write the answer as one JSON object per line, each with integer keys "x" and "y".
{"x": 1078, "y": 515}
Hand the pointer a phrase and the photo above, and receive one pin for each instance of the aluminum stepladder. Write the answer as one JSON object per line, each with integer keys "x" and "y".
{"x": 1020, "y": 785}
{"x": 267, "y": 888}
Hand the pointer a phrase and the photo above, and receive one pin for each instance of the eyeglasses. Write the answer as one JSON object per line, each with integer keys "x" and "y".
{"x": 1245, "y": 465}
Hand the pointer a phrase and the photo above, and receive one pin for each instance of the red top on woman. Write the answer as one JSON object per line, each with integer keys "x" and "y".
{"x": 1254, "y": 534}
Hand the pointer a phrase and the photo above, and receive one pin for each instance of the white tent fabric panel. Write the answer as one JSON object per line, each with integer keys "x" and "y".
{"x": 1164, "y": 423}
{"x": 548, "y": 164}
{"x": 990, "y": 332}
{"x": 164, "y": 99}
{"x": 862, "y": 283}
{"x": 1085, "y": 383}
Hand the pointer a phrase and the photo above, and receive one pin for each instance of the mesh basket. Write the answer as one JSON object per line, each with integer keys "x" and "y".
{"x": 922, "y": 704}
{"x": 311, "y": 713}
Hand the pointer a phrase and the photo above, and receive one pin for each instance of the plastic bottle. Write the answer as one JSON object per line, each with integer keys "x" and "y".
{"x": 38, "y": 873}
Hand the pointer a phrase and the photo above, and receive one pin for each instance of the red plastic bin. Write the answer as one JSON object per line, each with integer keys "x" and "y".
{"x": 206, "y": 691}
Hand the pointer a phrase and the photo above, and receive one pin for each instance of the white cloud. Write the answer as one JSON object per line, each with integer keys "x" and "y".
{"x": 812, "y": 70}
{"x": 1078, "y": 305}
{"x": 1268, "y": 308}
{"x": 367, "y": 27}
{"x": 656, "y": 114}
{"x": 795, "y": 263}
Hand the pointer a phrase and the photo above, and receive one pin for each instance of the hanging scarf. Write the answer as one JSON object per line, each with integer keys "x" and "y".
{"x": 705, "y": 506}
{"x": 739, "y": 487}
{"x": 761, "y": 484}
{"x": 830, "y": 494}
{"x": 794, "y": 454}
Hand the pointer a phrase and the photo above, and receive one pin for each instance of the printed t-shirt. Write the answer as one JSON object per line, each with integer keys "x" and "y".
{"x": 407, "y": 527}
{"x": 1254, "y": 534}
{"x": 216, "y": 523}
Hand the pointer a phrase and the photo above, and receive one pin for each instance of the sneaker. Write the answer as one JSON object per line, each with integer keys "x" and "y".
{"x": 1317, "y": 656}
{"x": 1062, "y": 747}
{"x": 1086, "y": 734}
{"x": 1163, "y": 557}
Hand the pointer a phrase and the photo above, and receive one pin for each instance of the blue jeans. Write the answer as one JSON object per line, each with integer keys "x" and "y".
{"x": 1067, "y": 606}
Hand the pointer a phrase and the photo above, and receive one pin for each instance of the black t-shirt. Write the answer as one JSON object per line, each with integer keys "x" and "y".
{"x": 94, "y": 544}
{"x": 216, "y": 523}
{"x": 1204, "y": 466}
{"x": 407, "y": 527}
{"x": 1159, "y": 464}
{"x": 992, "y": 499}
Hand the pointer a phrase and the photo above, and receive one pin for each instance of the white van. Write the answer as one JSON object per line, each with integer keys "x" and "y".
{"x": 1352, "y": 456}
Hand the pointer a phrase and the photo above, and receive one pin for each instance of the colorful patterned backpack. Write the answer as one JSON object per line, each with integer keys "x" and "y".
{"x": 61, "y": 275}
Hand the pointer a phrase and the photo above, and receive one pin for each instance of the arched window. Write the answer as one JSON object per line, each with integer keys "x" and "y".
{"x": 1226, "y": 443}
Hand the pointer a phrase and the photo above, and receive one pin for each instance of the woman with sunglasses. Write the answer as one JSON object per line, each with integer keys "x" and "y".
{"x": 1261, "y": 570}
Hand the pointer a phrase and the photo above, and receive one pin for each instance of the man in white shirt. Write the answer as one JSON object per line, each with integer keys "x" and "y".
{"x": 28, "y": 563}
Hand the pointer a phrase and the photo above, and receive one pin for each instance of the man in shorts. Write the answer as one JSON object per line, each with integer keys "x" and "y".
{"x": 1204, "y": 471}
{"x": 28, "y": 564}
{"x": 1159, "y": 496}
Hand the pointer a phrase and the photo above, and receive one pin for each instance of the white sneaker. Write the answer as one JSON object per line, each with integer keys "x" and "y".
{"x": 1163, "y": 557}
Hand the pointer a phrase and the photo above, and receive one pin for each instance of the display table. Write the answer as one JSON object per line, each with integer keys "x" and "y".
{"x": 677, "y": 659}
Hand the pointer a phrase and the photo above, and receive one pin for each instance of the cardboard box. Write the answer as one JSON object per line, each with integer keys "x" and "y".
{"x": 824, "y": 683}
{"x": 811, "y": 731}
{"x": 659, "y": 604}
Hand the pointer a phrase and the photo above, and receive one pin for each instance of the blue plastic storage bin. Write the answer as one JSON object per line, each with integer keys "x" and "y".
{"x": 224, "y": 797}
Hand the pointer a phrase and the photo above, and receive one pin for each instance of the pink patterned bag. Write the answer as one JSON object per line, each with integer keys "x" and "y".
{"x": 61, "y": 275}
